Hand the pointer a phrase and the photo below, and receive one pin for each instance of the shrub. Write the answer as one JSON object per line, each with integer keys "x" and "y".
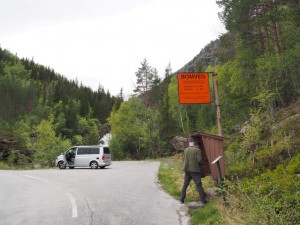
{"x": 4, "y": 166}
{"x": 270, "y": 198}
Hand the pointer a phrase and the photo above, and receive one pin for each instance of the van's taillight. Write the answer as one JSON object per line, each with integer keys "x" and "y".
{"x": 103, "y": 157}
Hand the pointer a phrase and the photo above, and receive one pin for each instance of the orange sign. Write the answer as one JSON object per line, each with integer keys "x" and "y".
{"x": 193, "y": 88}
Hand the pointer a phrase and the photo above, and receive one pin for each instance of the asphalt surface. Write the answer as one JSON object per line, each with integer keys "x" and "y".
{"x": 126, "y": 193}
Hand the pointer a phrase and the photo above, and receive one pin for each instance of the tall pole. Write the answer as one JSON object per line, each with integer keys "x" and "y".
{"x": 217, "y": 99}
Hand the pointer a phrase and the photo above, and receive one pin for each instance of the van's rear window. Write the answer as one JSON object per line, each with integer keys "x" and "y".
{"x": 106, "y": 150}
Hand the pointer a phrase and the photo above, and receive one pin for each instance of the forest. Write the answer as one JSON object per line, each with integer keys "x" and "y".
{"x": 42, "y": 113}
{"x": 257, "y": 62}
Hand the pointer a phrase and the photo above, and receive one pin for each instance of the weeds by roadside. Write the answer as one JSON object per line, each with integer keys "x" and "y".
{"x": 4, "y": 166}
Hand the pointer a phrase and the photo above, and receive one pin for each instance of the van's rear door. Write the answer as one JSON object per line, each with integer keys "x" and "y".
{"x": 106, "y": 154}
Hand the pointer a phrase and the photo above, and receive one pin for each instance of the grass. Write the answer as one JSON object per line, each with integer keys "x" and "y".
{"x": 207, "y": 215}
{"x": 171, "y": 178}
{"x": 28, "y": 166}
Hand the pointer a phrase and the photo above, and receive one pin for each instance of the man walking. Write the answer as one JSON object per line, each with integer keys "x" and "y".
{"x": 192, "y": 161}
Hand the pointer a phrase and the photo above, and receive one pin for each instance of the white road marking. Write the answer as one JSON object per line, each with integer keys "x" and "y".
{"x": 74, "y": 207}
{"x": 36, "y": 178}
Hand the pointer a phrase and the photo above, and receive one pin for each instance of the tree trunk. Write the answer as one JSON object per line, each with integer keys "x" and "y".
{"x": 267, "y": 40}
{"x": 181, "y": 119}
{"x": 274, "y": 28}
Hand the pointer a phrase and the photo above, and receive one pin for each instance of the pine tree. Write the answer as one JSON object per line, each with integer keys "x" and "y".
{"x": 168, "y": 71}
{"x": 145, "y": 76}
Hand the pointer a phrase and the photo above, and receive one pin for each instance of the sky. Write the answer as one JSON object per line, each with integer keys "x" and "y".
{"x": 103, "y": 42}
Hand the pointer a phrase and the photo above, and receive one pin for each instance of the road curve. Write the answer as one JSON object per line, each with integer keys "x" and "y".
{"x": 126, "y": 193}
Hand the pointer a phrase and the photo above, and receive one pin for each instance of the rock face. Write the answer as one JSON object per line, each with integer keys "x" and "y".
{"x": 206, "y": 57}
{"x": 5, "y": 145}
{"x": 8, "y": 146}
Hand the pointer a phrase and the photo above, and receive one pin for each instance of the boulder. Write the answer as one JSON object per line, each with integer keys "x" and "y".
{"x": 179, "y": 143}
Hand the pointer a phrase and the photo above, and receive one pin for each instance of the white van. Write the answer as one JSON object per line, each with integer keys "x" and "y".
{"x": 84, "y": 156}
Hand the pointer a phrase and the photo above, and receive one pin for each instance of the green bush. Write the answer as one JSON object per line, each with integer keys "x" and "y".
{"x": 4, "y": 166}
{"x": 270, "y": 198}
{"x": 294, "y": 165}
{"x": 117, "y": 148}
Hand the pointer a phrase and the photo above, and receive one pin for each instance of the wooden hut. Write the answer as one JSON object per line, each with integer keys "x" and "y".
{"x": 212, "y": 148}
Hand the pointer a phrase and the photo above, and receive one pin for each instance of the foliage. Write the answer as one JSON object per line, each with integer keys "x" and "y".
{"x": 117, "y": 145}
{"x": 146, "y": 77}
{"x": 272, "y": 197}
{"x": 23, "y": 82}
{"x": 16, "y": 96}
{"x": 77, "y": 140}
{"x": 87, "y": 128}
{"x": 262, "y": 166}
{"x": 35, "y": 97}
{"x": 22, "y": 130}
{"x": 46, "y": 143}
{"x": 4, "y": 166}
{"x": 134, "y": 127}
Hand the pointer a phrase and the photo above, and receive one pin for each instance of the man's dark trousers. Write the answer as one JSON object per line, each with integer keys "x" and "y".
{"x": 188, "y": 176}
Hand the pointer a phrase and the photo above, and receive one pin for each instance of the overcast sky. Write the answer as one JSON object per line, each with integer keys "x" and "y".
{"x": 104, "y": 41}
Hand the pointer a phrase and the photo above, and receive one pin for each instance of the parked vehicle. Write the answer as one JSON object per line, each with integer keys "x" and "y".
{"x": 93, "y": 156}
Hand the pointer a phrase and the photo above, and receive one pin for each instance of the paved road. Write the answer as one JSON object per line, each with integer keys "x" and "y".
{"x": 127, "y": 193}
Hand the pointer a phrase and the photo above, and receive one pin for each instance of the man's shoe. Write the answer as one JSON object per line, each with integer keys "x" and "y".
{"x": 205, "y": 202}
{"x": 181, "y": 201}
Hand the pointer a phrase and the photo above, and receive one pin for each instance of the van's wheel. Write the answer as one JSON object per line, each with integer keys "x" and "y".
{"x": 61, "y": 165}
{"x": 94, "y": 165}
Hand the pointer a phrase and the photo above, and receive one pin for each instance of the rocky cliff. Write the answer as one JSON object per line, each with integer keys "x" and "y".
{"x": 206, "y": 57}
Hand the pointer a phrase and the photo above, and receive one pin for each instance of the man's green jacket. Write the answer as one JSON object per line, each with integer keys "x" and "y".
{"x": 192, "y": 159}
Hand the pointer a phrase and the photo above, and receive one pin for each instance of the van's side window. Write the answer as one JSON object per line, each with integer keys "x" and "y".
{"x": 83, "y": 151}
{"x": 87, "y": 151}
{"x": 94, "y": 150}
